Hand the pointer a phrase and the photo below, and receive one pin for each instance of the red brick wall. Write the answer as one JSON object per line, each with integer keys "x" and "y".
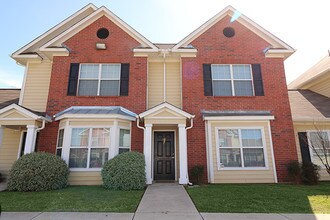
{"x": 82, "y": 50}
{"x": 244, "y": 48}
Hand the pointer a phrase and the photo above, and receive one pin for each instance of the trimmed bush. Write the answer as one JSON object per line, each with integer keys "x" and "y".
{"x": 294, "y": 171}
{"x": 126, "y": 171}
{"x": 197, "y": 173}
{"x": 310, "y": 173}
{"x": 38, "y": 172}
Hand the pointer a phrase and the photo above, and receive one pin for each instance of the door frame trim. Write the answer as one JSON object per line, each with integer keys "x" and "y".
{"x": 153, "y": 151}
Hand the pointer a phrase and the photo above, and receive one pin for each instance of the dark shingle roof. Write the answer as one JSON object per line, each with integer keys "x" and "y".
{"x": 308, "y": 104}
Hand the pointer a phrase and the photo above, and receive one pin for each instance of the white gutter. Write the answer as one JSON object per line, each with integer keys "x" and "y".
{"x": 42, "y": 126}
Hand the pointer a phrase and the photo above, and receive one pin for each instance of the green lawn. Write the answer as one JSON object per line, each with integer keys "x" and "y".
{"x": 72, "y": 199}
{"x": 262, "y": 198}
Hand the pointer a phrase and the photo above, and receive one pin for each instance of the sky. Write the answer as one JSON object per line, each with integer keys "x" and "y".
{"x": 304, "y": 25}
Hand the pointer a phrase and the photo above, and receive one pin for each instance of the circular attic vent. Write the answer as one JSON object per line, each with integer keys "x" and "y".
{"x": 229, "y": 32}
{"x": 102, "y": 33}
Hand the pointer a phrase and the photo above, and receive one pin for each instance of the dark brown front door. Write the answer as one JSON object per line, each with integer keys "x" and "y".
{"x": 164, "y": 156}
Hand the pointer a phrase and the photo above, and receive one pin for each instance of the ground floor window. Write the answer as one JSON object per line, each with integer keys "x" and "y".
{"x": 319, "y": 142}
{"x": 91, "y": 147}
{"x": 240, "y": 148}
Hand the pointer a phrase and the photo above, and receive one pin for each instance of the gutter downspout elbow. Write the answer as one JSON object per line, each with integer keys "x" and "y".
{"x": 42, "y": 126}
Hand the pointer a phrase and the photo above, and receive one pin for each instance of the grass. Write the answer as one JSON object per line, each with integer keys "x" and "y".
{"x": 72, "y": 199}
{"x": 262, "y": 198}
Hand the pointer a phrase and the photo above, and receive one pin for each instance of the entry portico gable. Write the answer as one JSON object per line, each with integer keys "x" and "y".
{"x": 166, "y": 114}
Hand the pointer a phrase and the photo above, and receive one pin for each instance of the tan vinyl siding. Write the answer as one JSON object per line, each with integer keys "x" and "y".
{"x": 124, "y": 124}
{"x": 37, "y": 86}
{"x": 155, "y": 84}
{"x": 85, "y": 178}
{"x": 243, "y": 176}
{"x": 173, "y": 84}
{"x": 9, "y": 150}
{"x": 304, "y": 127}
{"x": 321, "y": 86}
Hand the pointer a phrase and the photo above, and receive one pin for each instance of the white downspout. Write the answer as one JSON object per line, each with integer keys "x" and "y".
{"x": 42, "y": 126}
{"x": 164, "y": 75}
{"x": 187, "y": 128}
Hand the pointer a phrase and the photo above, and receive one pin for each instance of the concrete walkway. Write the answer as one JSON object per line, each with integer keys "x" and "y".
{"x": 161, "y": 201}
{"x": 166, "y": 201}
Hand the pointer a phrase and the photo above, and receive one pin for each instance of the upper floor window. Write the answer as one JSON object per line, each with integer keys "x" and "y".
{"x": 99, "y": 80}
{"x": 94, "y": 79}
{"x": 232, "y": 80}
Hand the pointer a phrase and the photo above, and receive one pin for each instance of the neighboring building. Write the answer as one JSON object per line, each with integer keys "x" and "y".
{"x": 218, "y": 98}
{"x": 309, "y": 98}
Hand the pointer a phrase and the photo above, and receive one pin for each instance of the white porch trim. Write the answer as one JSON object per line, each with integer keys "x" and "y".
{"x": 183, "y": 155}
{"x": 147, "y": 152}
{"x": 30, "y": 139}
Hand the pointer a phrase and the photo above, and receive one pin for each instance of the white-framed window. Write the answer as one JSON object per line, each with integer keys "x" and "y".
{"x": 241, "y": 148}
{"x": 89, "y": 147}
{"x": 319, "y": 141}
{"x": 124, "y": 140}
{"x": 59, "y": 145}
{"x": 232, "y": 80}
{"x": 99, "y": 80}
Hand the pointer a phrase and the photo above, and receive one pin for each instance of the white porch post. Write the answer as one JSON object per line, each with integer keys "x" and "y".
{"x": 30, "y": 139}
{"x": 183, "y": 179}
{"x": 114, "y": 150}
{"x": 2, "y": 128}
{"x": 147, "y": 152}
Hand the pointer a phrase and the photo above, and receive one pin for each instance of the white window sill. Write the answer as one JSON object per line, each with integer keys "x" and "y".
{"x": 85, "y": 169}
{"x": 243, "y": 168}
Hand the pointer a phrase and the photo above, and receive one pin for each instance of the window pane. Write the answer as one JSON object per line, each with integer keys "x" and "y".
{"x": 230, "y": 157}
{"x": 319, "y": 139}
{"x": 243, "y": 88}
{"x": 98, "y": 157}
{"x": 253, "y": 157}
{"x": 220, "y": 71}
{"x": 78, "y": 158}
{"x": 110, "y": 71}
{"x": 60, "y": 138}
{"x": 229, "y": 138}
{"x": 251, "y": 138}
{"x": 222, "y": 88}
{"x": 124, "y": 138}
{"x": 87, "y": 87}
{"x": 59, "y": 152}
{"x": 79, "y": 137}
{"x": 101, "y": 137}
{"x": 109, "y": 88}
{"x": 241, "y": 72}
{"x": 89, "y": 71}
{"x": 123, "y": 150}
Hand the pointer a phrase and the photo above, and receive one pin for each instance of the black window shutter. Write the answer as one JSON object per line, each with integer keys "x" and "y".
{"x": 257, "y": 80}
{"x": 73, "y": 79}
{"x": 207, "y": 77}
{"x": 305, "y": 155}
{"x": 124, "y": 78}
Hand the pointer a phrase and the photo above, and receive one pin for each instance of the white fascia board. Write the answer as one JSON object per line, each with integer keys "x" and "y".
{"x": 89, "y": 6}
{"x": 103, "y": 11}
{"x": 166, "y": 105}
{"x": 94, "y": 116}
{"x": 276, "y": 53}
{"x": 24, "y": 112}
{"x": 146, "y": 50}
{"x": 238, "y": 118}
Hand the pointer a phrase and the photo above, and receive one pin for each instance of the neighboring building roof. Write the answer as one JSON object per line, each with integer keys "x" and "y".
{"x": 95, "y": 110}
{"x": 9, "y": 96}
{"x": 308, "y": 105}
{"x": 319, "y": 69}
{"x": 235, "y": 113}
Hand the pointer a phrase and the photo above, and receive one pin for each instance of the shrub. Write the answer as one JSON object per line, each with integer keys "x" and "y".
{"x": 310, "y": 173}
{"x": 38, "y": 172}
{"x": 125, "y": 172}
{"x": 197, "y": 173}
{"x": 294, "y": 171}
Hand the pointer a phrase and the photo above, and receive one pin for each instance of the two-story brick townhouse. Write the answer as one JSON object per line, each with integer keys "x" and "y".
{"x": 94, "y": 88}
